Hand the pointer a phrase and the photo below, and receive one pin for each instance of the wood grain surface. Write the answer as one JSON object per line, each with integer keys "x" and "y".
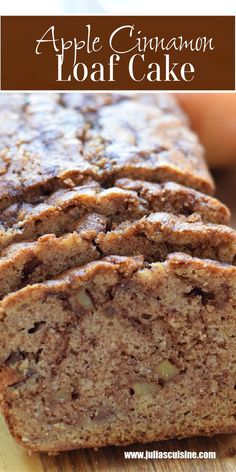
{"x": 14, "y": 459}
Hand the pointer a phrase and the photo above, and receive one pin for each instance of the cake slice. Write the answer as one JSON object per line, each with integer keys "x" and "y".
{"x": 177, "y": 199}
{"x": 26, "y": 263}
{"x": 51, "y": 145}
{"x": 118, "y": 352}
{"x": 159, "y": 234}
{"x": 59, "y": 212}
{"x": 153, "y": 237}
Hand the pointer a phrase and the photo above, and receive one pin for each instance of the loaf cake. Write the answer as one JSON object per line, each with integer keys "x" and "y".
{"x": 117, "y": 274}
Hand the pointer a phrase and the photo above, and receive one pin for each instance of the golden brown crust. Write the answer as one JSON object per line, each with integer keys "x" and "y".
{"x": 59, "y": 212}
{"x": 123, "y": 265}
{"x": 130, "y": 137}
{"x": 159, "y": 234}
{"x": 178, "y": 199}
{"x": 28, "y": 263}
{"x": 154, "y": 237}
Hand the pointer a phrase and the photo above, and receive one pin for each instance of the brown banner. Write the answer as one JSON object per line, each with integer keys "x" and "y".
{"x": 118, "y": 53}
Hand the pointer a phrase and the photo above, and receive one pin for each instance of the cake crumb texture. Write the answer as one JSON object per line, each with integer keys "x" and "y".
{"x": 117, "y": 352}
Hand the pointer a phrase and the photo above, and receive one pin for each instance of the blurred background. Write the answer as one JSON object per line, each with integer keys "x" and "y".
{"x": 213, "y": 117}
{"x": 120, "y": 7}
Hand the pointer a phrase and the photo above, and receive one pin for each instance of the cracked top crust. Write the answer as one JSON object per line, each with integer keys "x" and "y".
{"x": 177, "y": 199}
{"x": 123, "y": 266}
{"x": 49, "y": 141}
{"x": 153, "y": 237}
{"x": 127, "y": 200}
{"x": 159, "y": 234}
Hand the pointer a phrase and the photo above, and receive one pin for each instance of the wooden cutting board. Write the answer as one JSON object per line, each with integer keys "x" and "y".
{"x": 14, "y": 459}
